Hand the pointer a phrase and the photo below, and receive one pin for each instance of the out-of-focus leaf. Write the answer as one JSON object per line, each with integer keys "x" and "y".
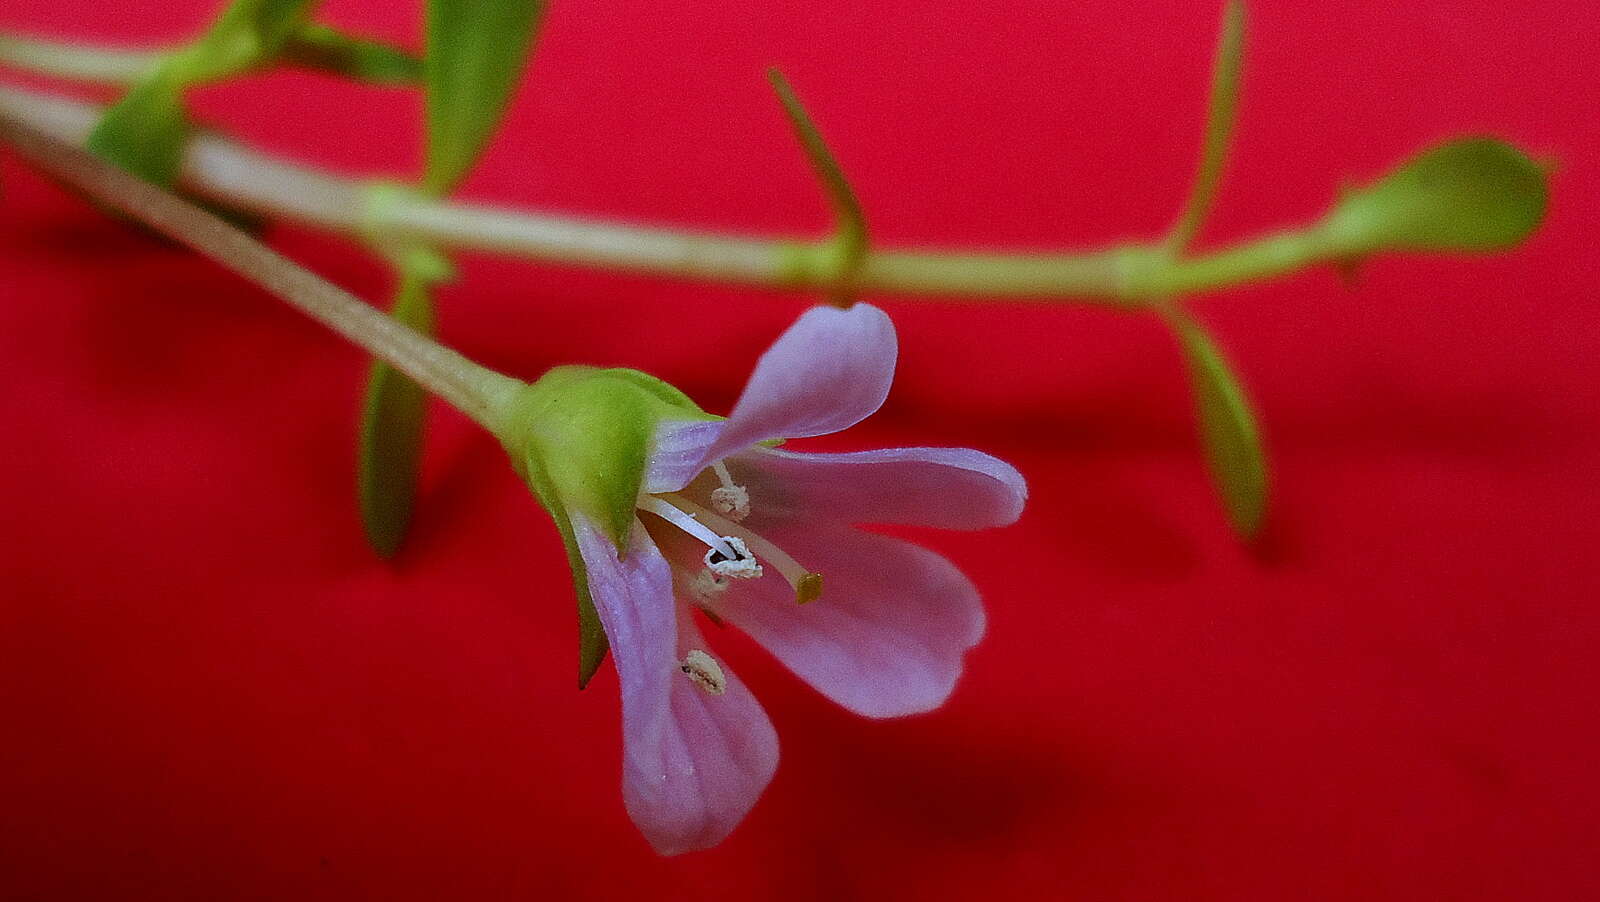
{"x": 317, "y": 46}
{"x": 145, "y": 132}
{"x": 852, "y": 222}
{"x": 1221, "y": 115}
{"x": 1468, "y": 194}
{"x": 476, "y": 50}
{"x": 392, "y": 421}
{"x": 1227, "y": 428}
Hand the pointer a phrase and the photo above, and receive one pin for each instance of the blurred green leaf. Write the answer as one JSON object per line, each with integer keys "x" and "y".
{"x": 317, "y": 46}
{"x": 852, "y": 222}
{"x": 1227, "y": 428}
{"x": 247, "y": 34}
{"x": 144, "y": 132}
{"x": 1222, "y": 112}
{"x": 476, "y": 50}
{"x": 392, "y": 420}
{"x": 1468, "y": 194}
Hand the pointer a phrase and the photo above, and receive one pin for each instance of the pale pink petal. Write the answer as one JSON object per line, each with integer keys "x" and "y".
{"x": 681, "y": 449}
{"x": 693, "y": 763}
{"x": 887, "y": 636}
{"x": 829, "y": 371}
{"x": 950, "y": 488}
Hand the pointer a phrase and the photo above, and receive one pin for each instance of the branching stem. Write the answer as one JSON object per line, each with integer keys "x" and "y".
{"x": 1123, "y": 276}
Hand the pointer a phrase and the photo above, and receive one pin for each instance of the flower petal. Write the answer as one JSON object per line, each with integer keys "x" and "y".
{"x": 888, "y": 634}
{"x": 829, "y": 371}
{"x": 950, "y": 488}
{"x": 693, "y": 763}
{"x": 681, "y": 451}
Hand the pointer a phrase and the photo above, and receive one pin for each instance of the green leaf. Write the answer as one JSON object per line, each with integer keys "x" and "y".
{"x": 249, "y": 33}
{"x": 476, "y": 50}
{"x": 851, "y": 235}
{"x": 1468, "y": 194}
{"x": 392, "y": 420}
{"x": 316, "y": 46}
{"x": 145, "y": 132}
{"x": 1221, "y": 115}
{"x": 1227, "y": 428}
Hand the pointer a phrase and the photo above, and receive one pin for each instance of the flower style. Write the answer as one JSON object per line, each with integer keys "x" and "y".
{"x": 761, "y": 539}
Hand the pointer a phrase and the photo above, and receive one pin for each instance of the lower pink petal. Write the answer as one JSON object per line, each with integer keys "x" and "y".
{"x": 888, "y": 635}
{"x": 950, "y": 488}
{"x": 693, "y": 763}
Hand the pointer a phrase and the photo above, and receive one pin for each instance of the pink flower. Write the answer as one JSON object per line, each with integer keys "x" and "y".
{"x": 762, "y": 540}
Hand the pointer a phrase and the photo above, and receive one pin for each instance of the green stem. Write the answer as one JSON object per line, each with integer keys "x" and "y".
{"x": 79, "y": 61}
{"x": 474, "y": 389}
{"x": 1124, "y": 276}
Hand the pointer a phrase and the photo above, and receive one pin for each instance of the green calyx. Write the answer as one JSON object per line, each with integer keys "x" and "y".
{"x": 581, "y": 437}
{"x": 589, "y": 431}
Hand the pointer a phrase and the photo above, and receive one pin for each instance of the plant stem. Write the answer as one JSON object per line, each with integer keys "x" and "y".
{"x": 78, "y": 61}
{"x": 1130, "y": 276}
{"x": 474, "y": 389}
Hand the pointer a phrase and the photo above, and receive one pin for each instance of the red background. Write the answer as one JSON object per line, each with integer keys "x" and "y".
{"x": 209, "y": 688}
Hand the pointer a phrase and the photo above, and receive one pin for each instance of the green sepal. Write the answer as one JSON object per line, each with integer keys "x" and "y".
{"x": 592, "y": 641}
{"x": 1228, "y": 428}
{"x": 581, "y": 438}
{"x": 1468, "y": 194}
{"x": 476, "y": 50}
{"x": 316, "y": 46}
{"x": 392, "y": 419}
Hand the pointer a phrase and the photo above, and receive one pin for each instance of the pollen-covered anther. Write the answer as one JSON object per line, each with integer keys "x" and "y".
{"x": 731, "y": 501}
{"x": 740, "y": 564}
{"x": 704, "y": 671}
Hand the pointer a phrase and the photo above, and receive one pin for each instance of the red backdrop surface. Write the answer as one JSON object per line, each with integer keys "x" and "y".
{"x": 210, "y": 688}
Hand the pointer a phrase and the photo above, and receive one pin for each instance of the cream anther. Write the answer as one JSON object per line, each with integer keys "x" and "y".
{"x": 740, "y": 565}
{"x": 729, "y": 499}
{"x": 704, "y": 671}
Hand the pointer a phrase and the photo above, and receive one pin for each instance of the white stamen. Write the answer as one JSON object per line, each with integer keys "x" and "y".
{"x": 741, "y": 565}
{"x": 730, "y": 500}
{"x": 807, "y": 583}
{"x": 690, "y": 525}
{"x": 704, "y": 671}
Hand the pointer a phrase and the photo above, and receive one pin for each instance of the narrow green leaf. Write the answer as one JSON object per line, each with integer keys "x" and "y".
{"x": 1227, "y": 428}
{"x": 145, "y": 132}
{"x": 1467, "y": 194}
{"x": 1221, "y": 115}
{"x": 392, "y": 420}
{"x": 247, "y": 34}
{"x": 851, "y": 226}
{"x": 476, "y": 50}
{"x": 316, "y": 46}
